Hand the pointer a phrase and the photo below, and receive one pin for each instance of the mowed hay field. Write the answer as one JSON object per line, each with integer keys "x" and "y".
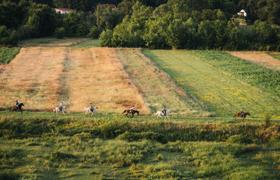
{"x": 33, "y": 77}
{"x": 42, "y": 77}
{"x": 224, "y": 83}
{"x": 96, "y": 75}
{"x": 158, "y": 88}
{"x": 262, "y": 58}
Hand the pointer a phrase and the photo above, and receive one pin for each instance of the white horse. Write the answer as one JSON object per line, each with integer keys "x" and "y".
{"x": 161, "y": 114}
{"x": 60, "y": 109}
{"x": 90, "y": 110}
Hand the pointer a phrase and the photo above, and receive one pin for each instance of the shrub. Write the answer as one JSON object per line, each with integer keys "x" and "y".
{"x": 60, "y": 32}
{"x": 94, "y": 33}
{"x": 267, "y": 120}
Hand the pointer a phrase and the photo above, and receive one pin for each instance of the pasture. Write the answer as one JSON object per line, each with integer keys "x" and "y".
{"x": 52, "y": 42}
{"x": 157, "y": 87}
{"x": 262, "y": 58}
{"x": 43, "y": 76}
{"x": 225, "y": 84}
{"x": 200, "y": 140}
{"x": 7, "y": 54}
{"x": 109, "y": 146}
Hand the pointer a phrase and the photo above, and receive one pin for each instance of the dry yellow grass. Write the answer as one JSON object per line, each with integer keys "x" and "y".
{"x": 41, "y": 77}
{"x": 33, "y": 77}
{"x": 259, "y": 58}
{"x": 96, "y": 75}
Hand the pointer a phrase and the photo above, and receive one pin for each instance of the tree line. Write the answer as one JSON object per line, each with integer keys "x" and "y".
{"x": 199, "y": 24}
{"x": 192, "y": 24}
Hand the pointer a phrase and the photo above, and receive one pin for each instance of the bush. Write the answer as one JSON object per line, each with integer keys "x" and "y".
{"x": 94, "y": 33}
{"x": 106, "y": 38}
{"x": 267, "y": 120}
{"x": 60, "y": 32}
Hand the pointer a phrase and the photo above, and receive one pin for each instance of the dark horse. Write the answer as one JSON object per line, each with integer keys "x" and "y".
{"x": 131, "y": 112}
{"x": 242, "y": 114}
{"x": 18, "y": 107}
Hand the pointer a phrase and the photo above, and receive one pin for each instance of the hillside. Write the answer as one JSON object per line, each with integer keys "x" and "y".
{"x": 197, "y": 83}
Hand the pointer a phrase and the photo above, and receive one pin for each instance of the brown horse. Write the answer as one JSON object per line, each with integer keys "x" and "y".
{"x": 130, "y": 112}
{"x": 18, "y": 107}
{"x": 242, "y": 114}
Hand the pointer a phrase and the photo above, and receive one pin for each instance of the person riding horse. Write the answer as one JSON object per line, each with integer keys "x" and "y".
{"x": 18, "y": 106}
{"x": 242, "y": 114}
{"x": 131, "y": 111}
{"x": 91, "y": 107}
{"x": 164, "y": 111}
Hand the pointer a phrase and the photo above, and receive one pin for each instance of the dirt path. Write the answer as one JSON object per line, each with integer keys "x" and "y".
{"x": 96, "y": 75}
{"x": 259, "y": 58}
{"x": 33, "y": 77}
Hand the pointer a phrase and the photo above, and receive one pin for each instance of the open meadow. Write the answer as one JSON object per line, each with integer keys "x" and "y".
{"x": 108, "y": 146}
{"x": 199, "y": 140}
{"x": 226, "y": 84}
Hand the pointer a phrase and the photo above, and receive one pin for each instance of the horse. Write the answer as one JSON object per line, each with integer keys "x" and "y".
{"x": 59, "y": 109}
{"x": 163, "y": 113}
{"x": 18, "y": 107}
{"x": 131, "y": 112}
{"x": 90, "y": 110}
{"x": 242, "y": 114}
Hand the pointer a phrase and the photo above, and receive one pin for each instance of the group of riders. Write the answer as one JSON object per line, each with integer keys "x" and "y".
{"x": 130, "y": 112}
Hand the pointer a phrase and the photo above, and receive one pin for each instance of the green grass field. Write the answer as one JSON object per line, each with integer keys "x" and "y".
{"x": 75, "y": 146}
{"x": 275, "y": 55}
{"x": 52, "y": 42}
{"x": 188, "y": 145}
{"x": 88, "y": 44}
{"x": 157, "y": 88}
{"x": 7, "y": 54}
{"x": 224, "y": 83}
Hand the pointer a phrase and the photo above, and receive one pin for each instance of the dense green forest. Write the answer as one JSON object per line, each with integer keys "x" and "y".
{"x": 191, "y": 24}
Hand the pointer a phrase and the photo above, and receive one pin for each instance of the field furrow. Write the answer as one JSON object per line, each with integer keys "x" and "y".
{"x": 220, "y": 90}
{"x": 33, "y": 77}
{"x": 157, "y": 88}
{"x": 96, "y": 75}
{"x": 258, "y": 58}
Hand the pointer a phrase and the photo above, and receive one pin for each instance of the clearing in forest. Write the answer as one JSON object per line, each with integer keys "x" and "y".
{"x": 156, "y": 86}
{"x": 220, "y": 90}
{"x": 258, "y": 57}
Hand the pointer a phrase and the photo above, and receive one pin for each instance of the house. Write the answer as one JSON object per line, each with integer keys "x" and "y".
{"x": 63, "y": 10}
{"x": 242, "y": 13}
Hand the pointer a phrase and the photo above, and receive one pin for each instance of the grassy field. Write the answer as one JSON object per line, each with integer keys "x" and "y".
{"x": 275, "y": 55}
{"x": 41, "y": 77}
{"x": 157, "y": 88}
{"x": 74, "y": 146}
{"x": 7, "y": 54}
{"x": 263, "y": 58}
{"x": 187, "y": 145}
{"x": 88, "y": 44}
{"x": 33, "y": 77}
{"x": 224, "y": 83}
{"x": 52, "y": 42}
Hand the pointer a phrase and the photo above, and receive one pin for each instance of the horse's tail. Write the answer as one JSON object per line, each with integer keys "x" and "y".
{"x": 125, "y": 111}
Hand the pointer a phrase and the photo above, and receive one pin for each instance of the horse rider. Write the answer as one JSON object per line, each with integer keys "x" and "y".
{"x": 17, "y": 104}
{"x": 91, "y": 107}
{"x": 164, "y": 111}
{"x": 133, "y": 108}
{"x": 60, "y": 107}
